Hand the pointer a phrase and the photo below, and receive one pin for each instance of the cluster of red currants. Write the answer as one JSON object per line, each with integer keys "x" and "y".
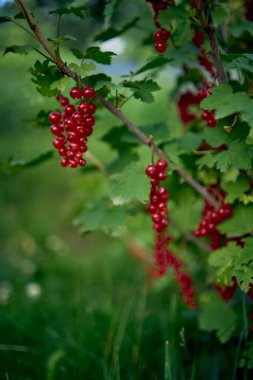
{"x": 73, "y": 126}
{"x": 211, "y": 218}
{"x": 207, "y": 116}
{"x": 158, "y": 210}
{"x": 161, "y": 36}
{"x": 186, "y": 100}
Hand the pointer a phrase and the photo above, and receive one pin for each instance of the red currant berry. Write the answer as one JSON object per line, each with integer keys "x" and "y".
{"x": 69, "y": 110}
{"x": 160, "y": 47}
{"x": 88, "y": 131}
{"x": 91, "y": 108}
{"x": 82, "y": 162}
{"x": 55, "y": 118}
{"x": 151, "y": 171}
{"x": 158, "y": 36}
{"x": 162, "y": 176}
{"x": 161, "y": 165}
{"x": 64, "y": 162}
{"x": 89, "y": 121}
{"x": 56, "y": 130}
{"x": 73, "y": 164}
{"x": 76, "y": 93}
{"x": 165, "y": 34}
{"x": 89, "y": 93}
{"x": 83, "y": 108}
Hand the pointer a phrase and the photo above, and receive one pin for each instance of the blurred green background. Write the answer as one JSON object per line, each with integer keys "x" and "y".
{"x": 77, "y": 307}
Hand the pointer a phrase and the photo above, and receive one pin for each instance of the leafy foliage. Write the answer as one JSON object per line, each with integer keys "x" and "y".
{"x": 217, "y": 316}
{"x": 142, "y": 89}
{"x": 94, "y": 53}
{"x": 112, "y": 32}
{"x": 43, "y": 75}
{"x": 131, "y": 184}
{"x": 101, "y": 215}
{"x": 234, "y": 261}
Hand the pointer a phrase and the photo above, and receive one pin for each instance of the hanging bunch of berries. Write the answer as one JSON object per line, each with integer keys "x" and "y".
{"x": 162, "y": 35}
{"x": 73, "y": 126}
{"x": 157, "y": 208}
{"x": 211, "y": 217}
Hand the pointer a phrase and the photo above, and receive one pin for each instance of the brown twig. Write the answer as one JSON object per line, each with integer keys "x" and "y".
{"x": 115, "y": 111}
{"x": 208, "y": 26}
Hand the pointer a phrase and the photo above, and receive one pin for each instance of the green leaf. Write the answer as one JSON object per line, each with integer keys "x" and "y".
{"x": 43, "y": 75}
{"x": 102, "y": 215}
{"x": 19, "y": 49}
{"x": 236, "y": 156}
{"x": 23, "y": 164}
{"x": 234, "y": 261}
{"x": 217, "y": 316}
{"x": 94, "y": 53}
{"x": 4, "y": 19}
{"x": 155, "y": 63}
{"x": 109, "y": 11}
{"x": 131, "y": 184}
{"x": 56, "y": 42}
{"x": 41, "y": 119}
{"x": 112, "y": 32}
{"x": 142, "y": 89}
{"x": 190, "y": 141}
{"x": 235, "y": 190}
{"x": 83, "y": 69}
{"x": 247, "y": 356}
{"x": 240, "y": 223}
{"x": 77, "y": 11}
{"x": 186, "y": 217}
{"x": 207, "y": 160}
{"x": 60, "y": 84}
{"x": 117, "y": 138}
{"x": 218, "y": 136}
{"x": 238, "y": 28}
{"x": 226, "y": 103}
{"x": 241, "y": 63}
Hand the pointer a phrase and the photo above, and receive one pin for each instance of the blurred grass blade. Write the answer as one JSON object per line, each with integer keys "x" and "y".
{"x": 167, "y": 366}
{"x": 52, "y": 363}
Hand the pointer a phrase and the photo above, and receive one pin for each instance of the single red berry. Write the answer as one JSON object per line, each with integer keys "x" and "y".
{"x": 160, "y": 47}
{"x": 162, "y": 176}
{"x": 89, "y": 121}
{"x": 89, "y": 93}
{"x": 64, "y": 162}
{"x": 55, "y": 118}
{"x": 56, "y": 130}
{"x": 161, "y": 165}
{"x": 88, "y": 131}
{"x": 82, "y": 162}
{"x": 76, "y": 93}
{"x": 151, "y": 171}
{"x": 91, "y": 108}
{"x": 83, "y": 148}
{"x": 165, "y": 34}
{"x": 69, "y": 110}
{"x": 83, "y": 108}
{"x": 158, "y": 36}
{"x": 73, "y": 164}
